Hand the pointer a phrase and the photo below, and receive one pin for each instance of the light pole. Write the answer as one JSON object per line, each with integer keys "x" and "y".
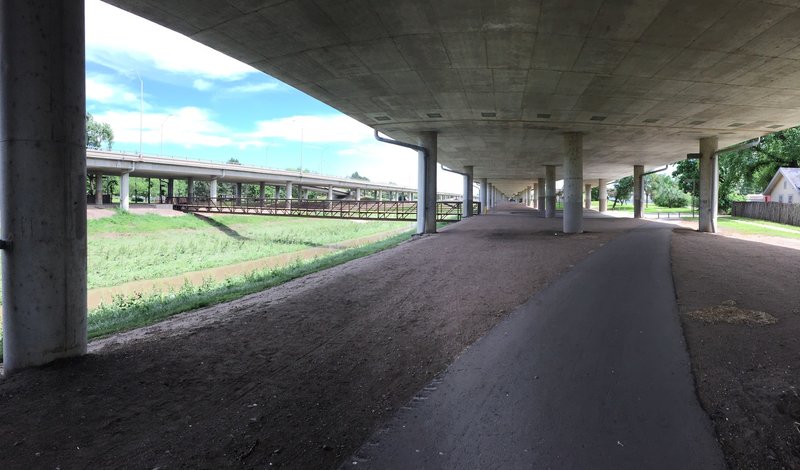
{"x": 301, "y": 150}
{"x": 141, "y": 110}
{"x": 161, "y": 152}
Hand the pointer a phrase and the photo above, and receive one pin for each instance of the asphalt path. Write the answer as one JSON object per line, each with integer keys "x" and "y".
{"x": 592, "y": 372}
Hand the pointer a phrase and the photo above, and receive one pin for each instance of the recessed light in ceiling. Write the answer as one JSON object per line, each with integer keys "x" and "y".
{"x": 434, "y": 115}
{"x": 382, "y": 118}
{"x": 543, "y": 116}
{"x": 488, "y": 114}
{"x": 696, "y": 123}
{"x": 597, "y": 118}
{"x": 776, "y": 126}
{"x": 736, "y": 124}
{"x": 651, "y": 121}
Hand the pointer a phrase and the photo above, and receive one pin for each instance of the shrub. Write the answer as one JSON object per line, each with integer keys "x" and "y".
{"x": 672, "y": 197}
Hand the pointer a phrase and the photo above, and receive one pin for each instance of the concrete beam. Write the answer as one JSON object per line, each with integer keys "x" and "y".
{"x": 638, "y": 191}
{"x": 550, "y": 191}
{"x": 42, "y": 146}
{"x": 709, "y": 185}
{"x": 573, "y": 179}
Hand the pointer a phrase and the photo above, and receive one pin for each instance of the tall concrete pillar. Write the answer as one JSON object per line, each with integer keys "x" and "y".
{"x": 329, "y": 204}
{"x": 535, "y": 196}
{"x": 549, "y": 191}
{"x": 467, "y": 212}
{"x": 98, "y": 188}
{"x": 125, "y": 191}
{"x": 170, "y": 190}
{"x": 190, "y": 188}
{"x": 299, "y": 191}
{"x": 378, "y": 195}
{"x": 573, "y": 180}
{"x": 238, "y": 194}
{"x": 638, "y": 190}
{"x": 262, "y": 191}
{"x": 358, "y": 194}
{"x": 541, "y": 194}
{"x": 484, "y": 195}
{"x": 603, "y": 196}
{"x": 212, "y": 190}
{"x": 587, "y": 196}
{"x": 277, "y": 191}
{"x": 709, "y": 184}
{"x": 288, "y": 195}
{"x": 426, "y": 183}
{"x": 42, "y": 146}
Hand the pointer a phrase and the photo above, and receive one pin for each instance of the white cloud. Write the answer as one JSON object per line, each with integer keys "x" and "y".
{"x": 119, "y": 40}
{"x": 255, "y": 87}
{"x": 98, "y": 91}
{"x": 105, "y": 89}
{"x": 322, "y": 129}
{"x": 202, "y": 85}
{"x": 187, "y": 126}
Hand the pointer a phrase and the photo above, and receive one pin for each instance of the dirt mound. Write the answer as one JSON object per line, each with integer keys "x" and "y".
{"x": 728, "y": 312}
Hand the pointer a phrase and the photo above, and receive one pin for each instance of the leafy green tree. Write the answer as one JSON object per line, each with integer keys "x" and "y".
{"x": 356, "y": 176}
{"x": 622, "y": 190}
{"x": 98, "y": 134}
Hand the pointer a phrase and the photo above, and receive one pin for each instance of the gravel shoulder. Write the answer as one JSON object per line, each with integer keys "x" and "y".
{"x": 741, "y": 318}
{"x": 297, "y": 376}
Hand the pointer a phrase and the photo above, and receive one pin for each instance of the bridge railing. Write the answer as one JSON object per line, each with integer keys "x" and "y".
{"x": 446, "y": 211}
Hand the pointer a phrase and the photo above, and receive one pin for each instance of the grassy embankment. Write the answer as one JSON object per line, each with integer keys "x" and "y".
{"x": 755, "y": 227}
{"x": 129, "y": 247}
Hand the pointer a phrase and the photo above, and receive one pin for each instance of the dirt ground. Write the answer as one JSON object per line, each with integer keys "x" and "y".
{"x": 297, "y": 376}
{"x": 747, "y": 372}
{"x": 95, "y": 212}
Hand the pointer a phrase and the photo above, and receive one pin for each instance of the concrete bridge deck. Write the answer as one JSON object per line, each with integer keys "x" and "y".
{"x": 301, "y": 375}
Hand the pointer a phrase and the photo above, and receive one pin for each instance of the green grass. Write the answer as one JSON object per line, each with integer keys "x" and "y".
{"x": 128, "y": 312}
{"x": 745, "y": 226}
{"x": 126, "y": 247}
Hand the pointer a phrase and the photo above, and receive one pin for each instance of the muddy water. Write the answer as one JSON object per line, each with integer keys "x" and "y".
{"x": 106, "y": 294}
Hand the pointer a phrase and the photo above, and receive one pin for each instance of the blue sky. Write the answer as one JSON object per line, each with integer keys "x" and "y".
{"x": 201, "y": 104}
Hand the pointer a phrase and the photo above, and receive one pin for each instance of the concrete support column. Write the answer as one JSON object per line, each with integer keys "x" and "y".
{"x": 490, "y": 195}
{"x": 358, "y": 194}
{"x": 238, "y": 194}
{"x": 299, "y": 191}
{"x": 426, "y": 183}
{"x": 98, "y": 188}
{"x": 42, "y": 146}
{"x": 601, "y": 184}
{"x": 573, "y": 180}
{"x": 638, "y": 191}
{"x": 378, "y": 195}
{"x": 587, "y": 196}
{"x": 277, "y": 191}
{"x": 535, "y": 196}
{"x": 467, "y": 212}
{"x": 124, "y": 191}
{"x": 541, "y": 194}
{"x": 190, "y": 188}
{"x": 709, "y": 185}
{"x": 262, "y": 191}
{"x": 330, "y": 197}
{"x": 549, "y": 191}
{"x": 484, "y": 198}
{"x": 212, "y": 190}
{"x": 170, "y": 190}
{"x": 288, "y": 195}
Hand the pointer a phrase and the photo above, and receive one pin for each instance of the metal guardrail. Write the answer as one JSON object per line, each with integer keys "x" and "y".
{"x": 446, "y": 211}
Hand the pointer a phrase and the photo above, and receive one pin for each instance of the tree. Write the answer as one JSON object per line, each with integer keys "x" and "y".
{"x": 98, "y": 133}
{"x": 356, "y": 176}
{"x": 731, "y": 180}
{"x": 233, "y": 161}
{"x": 622, "y": 190}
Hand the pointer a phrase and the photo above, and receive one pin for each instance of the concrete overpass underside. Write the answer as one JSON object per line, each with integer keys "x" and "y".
{"x": 514, "y": 93}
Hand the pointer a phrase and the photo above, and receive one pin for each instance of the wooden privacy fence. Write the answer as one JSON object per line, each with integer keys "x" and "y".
{"x": 779, "y": 212}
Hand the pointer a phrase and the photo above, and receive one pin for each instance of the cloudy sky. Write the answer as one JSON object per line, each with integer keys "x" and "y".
{"x": 201, "y": 104}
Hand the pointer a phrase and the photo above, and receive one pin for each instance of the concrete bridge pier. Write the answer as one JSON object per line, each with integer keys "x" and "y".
{"x": 483, "y": 198}
{"x": 358, "y": 194}
{"x": 540, "y": 194}
{"x": 42, "y": 145}
{"x": 98, "y": 188}
{"x": 638, "y": 191}
{"x": 238, "y": 194}
{"x": 587, "y": 196}
{"x": 550, "y": 191}
{"x": 170, "y": 189}
{"x": 288, "y": 195}
{"x": 573, "y": 180}
{"x": 426, "y": 183}
{"x": 467, "y": 198}
{"x": 709, "y": 185}
{"x": 190, "y": 188}
{"x": 125, "y": 191}
{"x": 212, "y": 190}
{"x": 603, "y": 195}
{"x": 262, "y": 190}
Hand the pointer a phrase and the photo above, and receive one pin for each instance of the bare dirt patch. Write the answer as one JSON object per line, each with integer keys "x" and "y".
{"x": 747, "y": 375}
{"x": 297, "y": 376}
{"x": 728, "y": 312}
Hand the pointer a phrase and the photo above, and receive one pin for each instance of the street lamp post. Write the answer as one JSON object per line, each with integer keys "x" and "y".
{"x": 141, "y": 110}
{"x": 161, "y": 152}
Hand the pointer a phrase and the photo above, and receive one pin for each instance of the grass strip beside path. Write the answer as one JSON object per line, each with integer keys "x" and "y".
{"x": 129, "y": 312}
